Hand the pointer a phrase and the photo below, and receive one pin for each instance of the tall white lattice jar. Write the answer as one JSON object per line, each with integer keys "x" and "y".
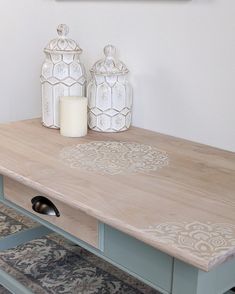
{"x": 62, "y": 75}
{"x": 109, "y": 94}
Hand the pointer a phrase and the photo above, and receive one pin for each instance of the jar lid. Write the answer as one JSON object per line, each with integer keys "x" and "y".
{"x": 62, "y": 44}
{"x": 110, "y": 65}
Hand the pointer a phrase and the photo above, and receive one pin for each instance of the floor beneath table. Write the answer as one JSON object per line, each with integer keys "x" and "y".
{"x": 54, "y": 265}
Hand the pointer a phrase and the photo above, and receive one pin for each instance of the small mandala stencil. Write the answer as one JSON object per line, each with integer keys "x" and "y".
{"x": 204, "y": 240}
{"x": 111, "y": 157}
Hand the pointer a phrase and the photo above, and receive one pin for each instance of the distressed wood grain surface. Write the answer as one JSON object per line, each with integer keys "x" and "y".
{"x": 185, "y": 209}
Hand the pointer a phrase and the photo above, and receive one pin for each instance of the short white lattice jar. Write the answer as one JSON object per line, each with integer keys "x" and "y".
{"x": 109, "y": 95}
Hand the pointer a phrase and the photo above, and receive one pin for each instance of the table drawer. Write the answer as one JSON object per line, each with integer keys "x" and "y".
{"x": 138, "y": 258}
{"x": 71, "y": 220}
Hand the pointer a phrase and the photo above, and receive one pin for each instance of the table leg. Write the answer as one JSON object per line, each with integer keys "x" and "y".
{"x": 188, "y": 279}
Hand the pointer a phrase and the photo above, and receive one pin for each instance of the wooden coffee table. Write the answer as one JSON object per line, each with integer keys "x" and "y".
{"x": 158, "y": 207}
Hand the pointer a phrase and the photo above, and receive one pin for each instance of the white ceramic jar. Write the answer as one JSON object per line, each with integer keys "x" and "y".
{"x": 109, "y": 95}
{"x": 62, "y": 75}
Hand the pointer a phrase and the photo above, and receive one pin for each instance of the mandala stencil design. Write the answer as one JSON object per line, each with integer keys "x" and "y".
{"x": 111, "y": 157}
{"x": 204, "y": 240}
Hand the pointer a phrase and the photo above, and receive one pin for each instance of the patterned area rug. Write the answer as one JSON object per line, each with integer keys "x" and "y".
{"x": 54, "y": 265}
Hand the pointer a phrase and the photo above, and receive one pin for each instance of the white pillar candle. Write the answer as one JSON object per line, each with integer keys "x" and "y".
{"x": 73, "y": 116}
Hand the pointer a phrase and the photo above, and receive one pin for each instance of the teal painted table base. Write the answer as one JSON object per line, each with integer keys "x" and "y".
{"x": 159, "y": 270}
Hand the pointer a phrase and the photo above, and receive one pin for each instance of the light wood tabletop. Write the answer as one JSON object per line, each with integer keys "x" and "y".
{"x": 179, "y": 198}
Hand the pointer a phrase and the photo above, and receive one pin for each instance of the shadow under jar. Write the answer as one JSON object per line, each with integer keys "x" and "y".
{"x": 109, "y": 94}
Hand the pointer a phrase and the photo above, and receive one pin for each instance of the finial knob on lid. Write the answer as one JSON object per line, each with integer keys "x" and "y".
{"x": 62, "y": 44}
{"x": 109, "y": 51}
{"x": 110, "y": 65}
{"x": 63, "y": 30}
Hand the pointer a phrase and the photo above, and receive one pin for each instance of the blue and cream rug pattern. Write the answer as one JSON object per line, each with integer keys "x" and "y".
{"x": 56, "y": 266}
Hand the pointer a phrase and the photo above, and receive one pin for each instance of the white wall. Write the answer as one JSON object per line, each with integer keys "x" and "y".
{"x": 181, "y": 55}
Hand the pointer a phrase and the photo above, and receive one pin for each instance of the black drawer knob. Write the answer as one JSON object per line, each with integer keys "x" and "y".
{"x": 42, "y": 205}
